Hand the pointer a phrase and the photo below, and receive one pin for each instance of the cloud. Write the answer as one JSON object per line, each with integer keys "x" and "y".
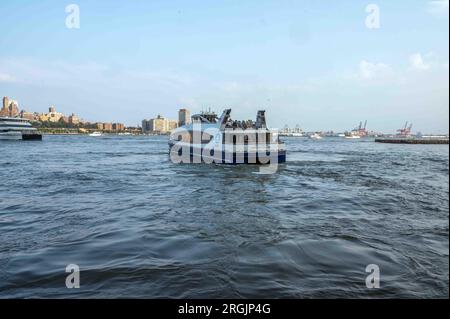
{"x": 372, "y": 71}
{"x": 416, "y": 61}
{"x": 438, "y": 8}
{"x": 5, "y": 77}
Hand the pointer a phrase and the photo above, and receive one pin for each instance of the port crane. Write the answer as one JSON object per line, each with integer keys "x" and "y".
{"x": 405, "y": 131}
{"x": 361, "y": 130}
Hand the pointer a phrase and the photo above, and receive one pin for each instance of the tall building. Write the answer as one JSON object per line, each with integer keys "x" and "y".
{"x": 184, "y": 117}
{"x": 145, "y": 126}
{"x": 159, "y": 124}
{"x": 5, "y": 102}
{"x": 9, "y": 108}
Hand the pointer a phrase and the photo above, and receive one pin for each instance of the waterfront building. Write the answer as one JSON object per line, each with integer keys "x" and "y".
{"x": 118, "y": 127}
{"x": 158, "y": 125}
{"x": 107, "y": 126}
{"x": 172, "y": 125}
{"x": 99, "y": 126}
{"x": 52, "y": 115}
{"x": 145, "y": 126}
{"x": 28, "y": 115}
{"x": 43, "y": 117}
{"x": 73, "y": 119}
{"x": 184, "y": 117}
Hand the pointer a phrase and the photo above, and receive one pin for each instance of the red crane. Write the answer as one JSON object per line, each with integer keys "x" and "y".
{"x": 405, "y": 131}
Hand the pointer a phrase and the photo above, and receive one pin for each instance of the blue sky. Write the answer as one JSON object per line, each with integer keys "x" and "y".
{"x": 313, "y": 63}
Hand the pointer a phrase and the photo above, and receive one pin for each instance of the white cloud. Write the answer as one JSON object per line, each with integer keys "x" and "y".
{"x": 438, "y": 8}
{"x": 370, "y": 71}
{"x": 416, "y": 61}
{"x": 5, "y": 77}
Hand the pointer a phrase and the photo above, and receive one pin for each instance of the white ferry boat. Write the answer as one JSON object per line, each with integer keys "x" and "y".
{"x": 221, "y": 140}
{"x": 12, "y": 128}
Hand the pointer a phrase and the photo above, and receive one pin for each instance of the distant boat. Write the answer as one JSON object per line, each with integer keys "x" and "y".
{"x": 95, "y": 134}
{"x": 352, "y": 136}
{"x": 315, "y": 136}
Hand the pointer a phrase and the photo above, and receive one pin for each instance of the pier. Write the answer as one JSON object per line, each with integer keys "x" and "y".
{"x": 401, "y": 140}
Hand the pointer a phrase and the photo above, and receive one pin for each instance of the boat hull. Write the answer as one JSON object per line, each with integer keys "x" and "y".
{"x": 18, "y": 136}
{"x": 32, "y": 137}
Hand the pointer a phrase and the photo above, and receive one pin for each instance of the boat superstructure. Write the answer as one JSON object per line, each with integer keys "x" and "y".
{"x": 12, "y": 128}
{"x": 211, "y": 139}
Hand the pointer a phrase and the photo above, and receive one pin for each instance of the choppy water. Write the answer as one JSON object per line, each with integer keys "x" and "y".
{"x": 139, "y": 226}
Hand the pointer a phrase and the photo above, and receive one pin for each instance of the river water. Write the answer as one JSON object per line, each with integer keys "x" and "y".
{"x": 138, "y": 225}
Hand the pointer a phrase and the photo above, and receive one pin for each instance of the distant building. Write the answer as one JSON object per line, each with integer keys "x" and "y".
{"x": 9, "y": 108}
{"x": 5, "y": 102}
{"x": 172, "y": 125}
{"x": 29, "y": 115}
{"x": 184, "y": 117}
{"x": 52, "y": 115}
{"x": 145, "y": 126}
{"x": 99, "y": 126}
{"x": 118, "y": 127}
{"x": 74, "y": 120}
{"x": 107, "y": 126}
{"x": 158, "y": 125}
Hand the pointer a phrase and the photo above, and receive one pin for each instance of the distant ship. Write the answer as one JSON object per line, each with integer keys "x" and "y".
{"x": 315, "y": 136}
{"x": 12, "y": 128}
{"x": 95, "y": 134}
{"x": 221, "y": 140}
{"x": 352, "y": 135}
{"x": 358, "y": 132}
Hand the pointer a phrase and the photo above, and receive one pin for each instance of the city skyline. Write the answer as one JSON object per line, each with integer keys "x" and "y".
{"x": 299, "y": 61}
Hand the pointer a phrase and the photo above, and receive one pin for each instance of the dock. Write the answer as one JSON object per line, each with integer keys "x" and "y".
{"x": 412, "y": 140}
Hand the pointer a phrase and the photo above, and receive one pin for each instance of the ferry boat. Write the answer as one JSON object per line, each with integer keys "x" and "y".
{"x": 12, "y": 128}
{"x": 211, "y": 139}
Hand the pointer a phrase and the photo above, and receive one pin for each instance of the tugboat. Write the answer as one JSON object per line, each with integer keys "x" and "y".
{"x": 210, "y": 139}
{"x": 12, "y": 128}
